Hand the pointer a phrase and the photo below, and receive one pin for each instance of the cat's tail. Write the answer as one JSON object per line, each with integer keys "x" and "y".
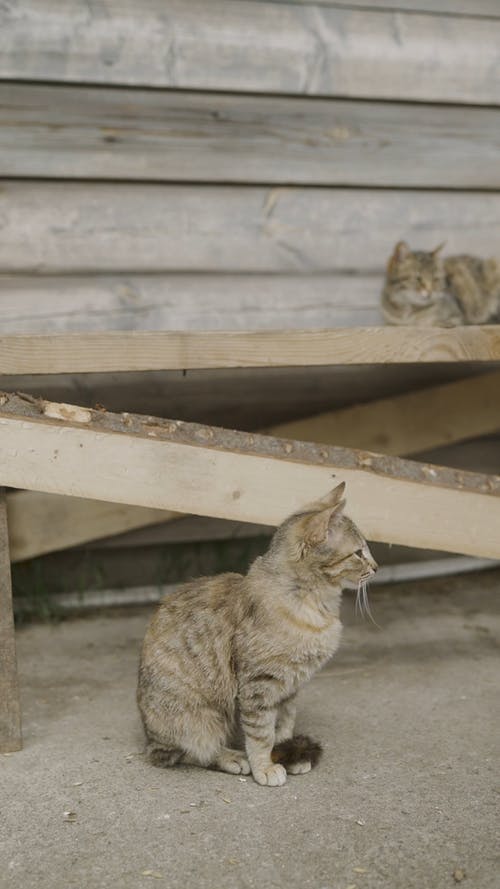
{"x": 300, "y": 748}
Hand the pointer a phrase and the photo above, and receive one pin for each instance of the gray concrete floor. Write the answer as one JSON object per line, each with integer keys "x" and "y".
{"x": 404, "y": 796}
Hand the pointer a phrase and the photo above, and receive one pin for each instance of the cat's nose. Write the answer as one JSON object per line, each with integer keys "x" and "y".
{"x": 424, "y": 291}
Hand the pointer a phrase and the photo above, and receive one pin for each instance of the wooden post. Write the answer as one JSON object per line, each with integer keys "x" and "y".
{"x": 10, "y": 710}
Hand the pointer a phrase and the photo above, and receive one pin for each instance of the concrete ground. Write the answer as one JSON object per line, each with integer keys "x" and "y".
{"x": 404, "y": 796}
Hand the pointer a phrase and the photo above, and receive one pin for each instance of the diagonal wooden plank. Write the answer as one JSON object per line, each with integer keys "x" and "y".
{"x": 182, "y": 350}
{"x": 44, "y": 523}
{"x": 406, "y": 424}
{"x": 186, "y": 467}
{"x": 10, "y": 710}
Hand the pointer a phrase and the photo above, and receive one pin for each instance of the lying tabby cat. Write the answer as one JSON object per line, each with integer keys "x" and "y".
{"x": 424, "y": 290}
{"x": 229, "y": 653}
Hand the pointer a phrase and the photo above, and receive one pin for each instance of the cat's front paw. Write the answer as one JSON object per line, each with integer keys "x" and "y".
{"x": 272, "y": 776}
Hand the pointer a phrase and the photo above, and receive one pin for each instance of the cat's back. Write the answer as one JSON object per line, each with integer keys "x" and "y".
{"x": 482, "y": 270}
{"x": 204, "y": 604}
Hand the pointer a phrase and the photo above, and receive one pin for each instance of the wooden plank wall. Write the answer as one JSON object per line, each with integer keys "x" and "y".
{"x": 243, "y": 164}
{"x": 238, "y": 164}
{"x": 313, "y": 49}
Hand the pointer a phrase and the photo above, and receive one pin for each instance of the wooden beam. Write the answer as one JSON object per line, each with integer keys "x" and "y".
{"x": 42, "y": 523}
{"x": 206, "y": 471}
{"x": 404, "y": 424}
{"x": 409, "y": 423}
{"x": 119, "y": 228}
{"x": 315, "y": 50}
{"x": 10, "y": 710}
{"x": 184, "y": 350}
{"x": 87, "y": 132}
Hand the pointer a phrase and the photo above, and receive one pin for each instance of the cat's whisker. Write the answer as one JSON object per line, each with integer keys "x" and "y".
{"x": 362, "y": 604}
{"x": 367, "y": 606}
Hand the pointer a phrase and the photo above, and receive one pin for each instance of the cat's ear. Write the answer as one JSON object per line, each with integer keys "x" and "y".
{"x": 334, "y": 498}
{"x": 438, "y": 249}
{"x": 401, "y": 251}
{"x": 317, "y": 527}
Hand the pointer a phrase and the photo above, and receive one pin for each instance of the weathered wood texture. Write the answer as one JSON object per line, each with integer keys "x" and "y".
{"x": 483, "y": 456}
{"x": 475, "y": 456}
{"x": 57, "y": 304}
{"x": 184, "y": 350}
{"x": 470, "y": 8}
{"x": 409, "y": 423}
{"x": 77, "y": 132}
{"x": 253, "y": 47}
{"x": 405, "y": 424}
{"x": 10, "y": 710}
{"x": 208, "y": 471}
{"x": 62, "y": 227}
{"x": 42, "y": 523}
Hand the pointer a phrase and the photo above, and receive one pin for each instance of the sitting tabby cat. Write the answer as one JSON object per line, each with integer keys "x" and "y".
{"x": 423, "y": 289}
{"x": 227, "y": 654}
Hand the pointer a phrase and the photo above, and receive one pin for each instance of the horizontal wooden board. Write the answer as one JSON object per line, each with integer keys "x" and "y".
{"x": 57, "y": 304}
{"x": 470, "y": 8}
{"x": 88, "y": 227}
{"x": 240, "y": 476}
{"x": 183, "y": 350}
{"x": 90, "y": 132}
{"x": 244, "y": 46}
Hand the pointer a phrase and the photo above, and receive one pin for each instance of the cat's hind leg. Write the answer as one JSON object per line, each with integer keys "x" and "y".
{"x": 186, "y": 737}
{"x": 223, "y": 758}
{"x": 233, "y": 761}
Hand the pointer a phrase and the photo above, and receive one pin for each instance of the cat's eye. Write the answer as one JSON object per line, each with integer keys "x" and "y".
{"x": 359, "y": 553}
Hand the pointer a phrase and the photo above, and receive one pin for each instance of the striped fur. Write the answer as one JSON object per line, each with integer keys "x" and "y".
{"x": 424, "y": 290}
{"x": 224, "y": 657}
